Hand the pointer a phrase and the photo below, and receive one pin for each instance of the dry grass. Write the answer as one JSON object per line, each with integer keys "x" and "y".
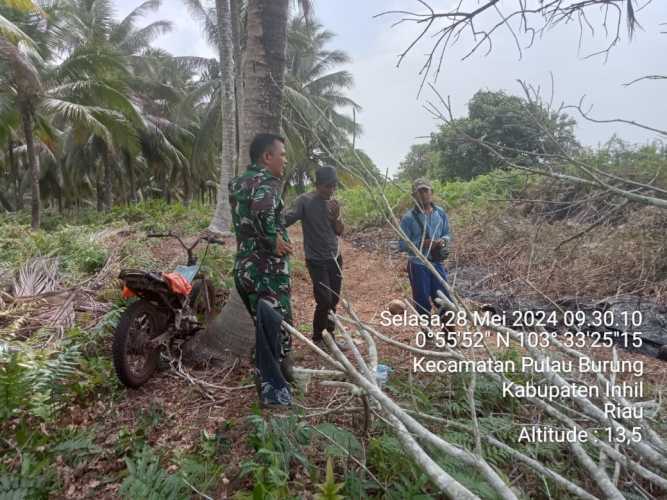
{"x": 629, "y": 258}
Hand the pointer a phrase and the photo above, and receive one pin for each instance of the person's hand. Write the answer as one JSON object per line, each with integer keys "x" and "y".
{"x": 427, "y": 244}
{"x": 334, "y": 210}
{"x": 282, "y": 247}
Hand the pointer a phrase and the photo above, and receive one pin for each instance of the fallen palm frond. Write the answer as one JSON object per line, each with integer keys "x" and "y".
{"x": 38, "y": 303}
{"x": 36, "y": 277}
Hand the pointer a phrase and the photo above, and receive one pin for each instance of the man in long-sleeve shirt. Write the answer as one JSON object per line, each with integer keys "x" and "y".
{"x": 261, "y": 266}
{"x": 320, "y": 218}
{"x": 427, "y": 227}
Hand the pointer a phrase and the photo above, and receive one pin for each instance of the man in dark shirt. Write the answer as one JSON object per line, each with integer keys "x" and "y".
{"x": 320, "y": 218}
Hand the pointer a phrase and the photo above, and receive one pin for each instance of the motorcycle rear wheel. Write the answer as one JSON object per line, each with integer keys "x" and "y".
{"x": 134, "y": 359}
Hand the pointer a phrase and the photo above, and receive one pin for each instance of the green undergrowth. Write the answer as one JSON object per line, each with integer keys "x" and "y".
{"x": 44, "y": 375}
{"x": 150, "y": 474}
{"x": 82, "y": 241}
{"x": 361, "y": 209}
{"x": 290, "y": 457}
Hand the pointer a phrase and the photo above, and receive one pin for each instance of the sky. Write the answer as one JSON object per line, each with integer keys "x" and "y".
{"x": 393, "y": 115}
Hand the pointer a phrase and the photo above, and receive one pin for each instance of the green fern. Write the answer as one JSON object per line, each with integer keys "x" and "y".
{"x": 77, "y": 449}
{"x": 147, "y": 480}
{"x": 32, "y": 481}
{"x": 277, "y": 443}
{"x": 468, "y": 477}
{"x": 202, "y": 472}
{"x": 410, "y": 487}
{"x": 14, "y": 387}
{"x": 49, "y": 377}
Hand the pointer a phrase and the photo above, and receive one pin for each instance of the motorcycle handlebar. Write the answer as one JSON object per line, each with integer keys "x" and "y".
{"x": 209, "y": 239}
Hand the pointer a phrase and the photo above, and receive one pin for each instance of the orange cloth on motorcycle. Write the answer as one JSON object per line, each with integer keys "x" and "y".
{"x": 177, "y": 283}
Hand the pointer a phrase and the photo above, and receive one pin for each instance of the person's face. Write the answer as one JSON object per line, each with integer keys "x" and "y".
{"x": 325, "y": 191}
{"x": 424, "y": 196}
{"x": 275, "y": 159}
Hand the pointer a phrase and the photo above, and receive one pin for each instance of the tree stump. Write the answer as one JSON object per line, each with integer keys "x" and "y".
{"x": 228, "y": 336}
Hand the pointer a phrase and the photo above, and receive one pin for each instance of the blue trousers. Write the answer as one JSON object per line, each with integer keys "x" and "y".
{"x": 425, "y": 285}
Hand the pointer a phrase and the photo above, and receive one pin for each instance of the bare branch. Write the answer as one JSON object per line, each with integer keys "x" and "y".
{"x": 647, "y": 77}
{"x": 452, "y": 25}
{"x": 586, "y": 115}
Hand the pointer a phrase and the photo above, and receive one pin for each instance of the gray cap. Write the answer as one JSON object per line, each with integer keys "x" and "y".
{"x": 420, "y": 183}
{"x": 326, "y": 175}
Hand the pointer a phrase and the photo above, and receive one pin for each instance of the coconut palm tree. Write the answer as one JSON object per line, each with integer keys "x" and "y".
{"x": 263, "y": 71}
{"x": 20, "y": 56}
{"x": 98, "y": 101}
{"x": 222, "y": 219}
{"x": 9, "y": 124}
{"x": 315, "y": 91}
{"x": 217, "y": 25}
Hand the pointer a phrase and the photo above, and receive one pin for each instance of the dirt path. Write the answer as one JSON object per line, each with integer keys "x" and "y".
{"x": 370, "y": 280}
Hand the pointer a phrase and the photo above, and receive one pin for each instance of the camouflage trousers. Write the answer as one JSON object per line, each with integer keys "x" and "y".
{"x": 274, "y": 288}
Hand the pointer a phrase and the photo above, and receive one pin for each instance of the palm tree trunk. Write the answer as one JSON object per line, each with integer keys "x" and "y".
{"x": 98, "y": 187}
{"x": 166, "y": 193}
{"x": 130, "y": 176}
{"x": 187, "y": 187}
{"x": 16, "y": 180}
{"x": 59, "y": 197}
{"x": 222, "y": 216}
{"x": 172, "y": 187}
{"x": 33, "y": 162}
{"x": 263, "y": 74}
{"x": 235, "y": 6}
{"x": 263, "y": 70}
{"x": 4, "y": 202}
{"x": 60, "y": 184}
{"x": 108, "y": 180}
{"x": 161, "y": 177}
{"x": 300, "y": 183}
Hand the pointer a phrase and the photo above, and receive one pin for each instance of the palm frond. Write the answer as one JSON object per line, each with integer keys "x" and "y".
{"x": 327, "y": 60}
{"x": 194, "y": 63}
{"x": 23, "y": 5}
{"x": 337, "y": 80}
{"x": 126, "y": 26}
{"x": 156, "y": 90}
{"x": 209, "y": 130}
{"x": 36, "y": 276}
{"x": 206, "y": 18}
{"x": 87, "y": 62}
{"x": 26, "y": 74}
{"x": 13, "y": 33}
{"x": 142, "y": 38}
{"x": 101, "y": 17}
{"x": 98, "y": 92}
{"x": 80, "y": 115}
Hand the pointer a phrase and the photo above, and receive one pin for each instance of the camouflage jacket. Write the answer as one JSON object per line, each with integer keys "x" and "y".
{"x": 257, "y": 216}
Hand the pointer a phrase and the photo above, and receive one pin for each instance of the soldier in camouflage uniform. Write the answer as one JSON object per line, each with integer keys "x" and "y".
{"x": 261, "y": 267}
